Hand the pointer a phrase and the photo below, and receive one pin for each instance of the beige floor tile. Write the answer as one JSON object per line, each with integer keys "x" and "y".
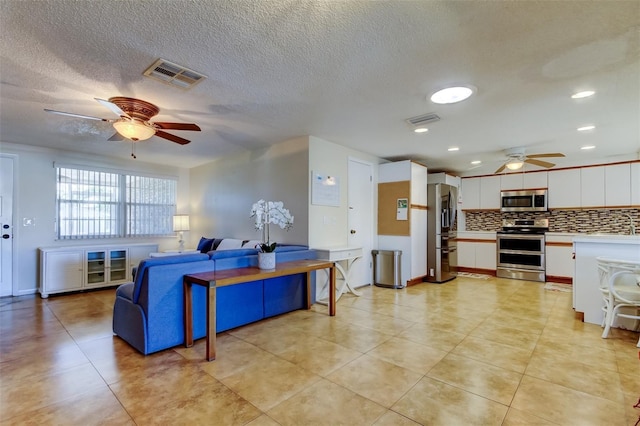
{"x": 358, "y": 338}
{"x": 318, "y": 355}
{"x": 574, "y": 374}
{"x": 263, "y": 420}
{"x": 35, "y": 393}
{"x": 183, "y": 396}
{"x": 407, "y": 354}
{"x": 432, "y": 402}
{"x": 433, "y": 337}
{"x": 565, "y": 406}
{"x": 326, "y": 403}
{"x": 520, "y": 418}
{"x": 375, "y": 379}
{"x": 498, "y": 354}
{"x": 595, "y": 356}
{"x": 506, "y": 335}
{"x": 391, "y": 418}
{"x": 97, "y": 406}
{"x": 268, "y": 384}
{"x": 477, "y": 377}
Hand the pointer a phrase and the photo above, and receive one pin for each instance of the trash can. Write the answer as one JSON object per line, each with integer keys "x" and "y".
{"x": 387, "y": 268}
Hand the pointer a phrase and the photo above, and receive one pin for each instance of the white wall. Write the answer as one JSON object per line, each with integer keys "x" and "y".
{"x": 222, "y": 192}
{"x": 35, "y": 193}
{"x": 328, "y": 226}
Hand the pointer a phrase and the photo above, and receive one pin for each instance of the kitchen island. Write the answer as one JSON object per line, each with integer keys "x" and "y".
{"x": 587, "y": 298}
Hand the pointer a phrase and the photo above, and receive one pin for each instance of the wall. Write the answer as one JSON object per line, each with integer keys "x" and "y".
{"x": 222, "y": 192}
{"x": 35, "y": 194}
{"x": 328, "y": 226}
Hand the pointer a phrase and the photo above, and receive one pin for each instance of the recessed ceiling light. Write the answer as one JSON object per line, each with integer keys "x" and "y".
{"x": 583, "y": 94}
{"x": 474, "y": 162}
{"x": 453, "y": 148}
{"x": 585, "y": 128}
{"x": 587, "y": 147}
{"x": 421, "y": 130}
{"x": 451, "y": 95}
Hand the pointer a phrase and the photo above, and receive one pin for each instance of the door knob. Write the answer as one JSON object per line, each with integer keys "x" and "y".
{"x": 353, "y": 231}
{"x": 6, "y": 236}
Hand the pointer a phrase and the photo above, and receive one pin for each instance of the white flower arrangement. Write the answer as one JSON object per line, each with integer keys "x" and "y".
{"x": 267, "y": 212}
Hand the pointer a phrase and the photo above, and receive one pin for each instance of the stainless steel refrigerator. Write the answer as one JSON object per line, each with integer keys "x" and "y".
{"x": 442, "y": 250}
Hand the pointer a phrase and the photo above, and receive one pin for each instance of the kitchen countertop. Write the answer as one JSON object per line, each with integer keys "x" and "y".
{"x": 608, "y": 238}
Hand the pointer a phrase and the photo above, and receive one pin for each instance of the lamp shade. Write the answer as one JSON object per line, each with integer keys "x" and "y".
{"x": 181, "y": 222}
{"x": 134, "y": 130}
{"x": 514, "y": 164}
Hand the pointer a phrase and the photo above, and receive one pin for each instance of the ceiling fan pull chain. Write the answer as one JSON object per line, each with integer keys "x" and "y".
{"x": 133, "y": 150}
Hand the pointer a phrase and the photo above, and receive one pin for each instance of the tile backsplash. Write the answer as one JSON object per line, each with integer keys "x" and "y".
{"x": 608, "y": 221}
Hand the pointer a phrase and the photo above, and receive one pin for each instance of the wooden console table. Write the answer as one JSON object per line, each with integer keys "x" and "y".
{"x": 214, "y": 279}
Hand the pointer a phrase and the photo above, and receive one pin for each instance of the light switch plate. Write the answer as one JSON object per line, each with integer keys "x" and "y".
{"x": 28, "y": 221}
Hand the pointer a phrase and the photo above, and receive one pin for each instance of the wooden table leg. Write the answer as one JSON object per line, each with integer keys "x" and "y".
{"x": 309, "y": 290}
{"x": 188, "y": 314}
{"x": 211, "y": 321}
{"x": 332, "y": 291}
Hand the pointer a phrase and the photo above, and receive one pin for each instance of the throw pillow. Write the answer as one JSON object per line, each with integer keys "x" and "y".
{"x": 205, "y": 245}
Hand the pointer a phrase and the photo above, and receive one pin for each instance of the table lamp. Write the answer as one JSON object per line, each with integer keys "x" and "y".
{"x": 180, "y": 224}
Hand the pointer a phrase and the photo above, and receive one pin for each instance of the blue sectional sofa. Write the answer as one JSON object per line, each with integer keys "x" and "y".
{"x": 148, "y": 312}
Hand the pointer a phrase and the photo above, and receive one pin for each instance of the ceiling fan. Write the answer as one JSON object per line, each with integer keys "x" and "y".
{"x": 134, "y": 120}
{"x": 516, "y": 159}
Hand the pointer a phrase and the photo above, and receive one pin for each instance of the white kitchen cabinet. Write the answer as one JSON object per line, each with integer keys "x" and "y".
{"x": 477, "y": 250}
{"x": 535, "y": 180}
{"x": 617, "y": 180}
{"x": 635, "y": 184}
{"x": 510, "y": 181}
{"x": 470, "y": 189}
{"x": 559, "y": 257}
{"x": 592, "y": 186}
{"x": 72, "y": 268}
{"x": 490, "y": 192}
{"x": 564, "y": 188}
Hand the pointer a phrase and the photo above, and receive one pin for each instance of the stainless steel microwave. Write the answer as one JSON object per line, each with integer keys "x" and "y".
{"x": 526, "y": 200}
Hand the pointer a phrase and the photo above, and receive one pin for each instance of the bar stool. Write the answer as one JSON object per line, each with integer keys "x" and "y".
{"x": 607, "y": 267}
{"x": 623, "y": 291}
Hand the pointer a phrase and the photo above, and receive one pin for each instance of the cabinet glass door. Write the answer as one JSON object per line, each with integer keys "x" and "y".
{"x": 117, "y": 265}
{"x": 96, "y": 267}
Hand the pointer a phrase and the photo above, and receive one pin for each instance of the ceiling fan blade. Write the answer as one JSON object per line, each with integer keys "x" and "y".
{"x": 539, "y": 163}
{"x": 172, "y": 138}
{"x": 549, "y": 154}
{"x": 71, "y": 114}
{"x": 177, "y": 126}
{"x": 500, "y": 169}
{"x": 113, "y": 107}
{"x": 116, "y": 137}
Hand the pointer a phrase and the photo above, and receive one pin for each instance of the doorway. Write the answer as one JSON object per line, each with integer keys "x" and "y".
{"x": 6, "y": 225}
{"x": 361, "y": 219}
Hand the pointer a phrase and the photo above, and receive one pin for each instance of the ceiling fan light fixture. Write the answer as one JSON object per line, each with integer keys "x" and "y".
{"x": 134, "y": 130}
{"x": 451, "y": 95}
{"x": 515, "y": 164}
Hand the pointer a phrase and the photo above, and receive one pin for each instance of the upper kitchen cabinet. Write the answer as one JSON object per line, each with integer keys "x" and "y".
{"x": 592, "y": 186}
{"x": 535, "y": 180}
{"x": 470, "y": 191}
{"x": 635, "y": 184}
{"x": 511, "y": 181}
{"x": 617, "y": 183}
{"x": 490, "y": 193}
{"x": 564, "y": 188}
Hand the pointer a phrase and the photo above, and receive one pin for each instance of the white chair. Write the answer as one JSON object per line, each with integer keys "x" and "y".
{"x": 606, "y": 268}
{"x": 624, "y": 297}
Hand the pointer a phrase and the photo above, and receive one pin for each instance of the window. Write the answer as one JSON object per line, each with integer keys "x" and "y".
{"x": 102, "y": 204}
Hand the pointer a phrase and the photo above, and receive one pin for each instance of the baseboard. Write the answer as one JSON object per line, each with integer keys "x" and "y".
{"x": 417, "y": 280}
{"x": 559, "y": 280}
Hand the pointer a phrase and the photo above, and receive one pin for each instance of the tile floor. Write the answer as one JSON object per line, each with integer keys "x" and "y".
{"x": 471, "y": 351}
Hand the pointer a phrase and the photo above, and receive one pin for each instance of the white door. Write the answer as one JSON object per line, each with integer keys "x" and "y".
{"x": 360, "y": 219}
{"x": 6, "y": 226}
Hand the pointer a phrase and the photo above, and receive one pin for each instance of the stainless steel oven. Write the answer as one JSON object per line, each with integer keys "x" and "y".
{"x": 521, "y": 249}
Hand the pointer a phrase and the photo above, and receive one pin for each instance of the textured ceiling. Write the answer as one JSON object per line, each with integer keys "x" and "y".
{"x": 349, "y": 72}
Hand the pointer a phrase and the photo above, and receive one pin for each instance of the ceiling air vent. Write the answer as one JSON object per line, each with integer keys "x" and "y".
{"x": 173, "y": 74}
{"x": 423, "y": 120}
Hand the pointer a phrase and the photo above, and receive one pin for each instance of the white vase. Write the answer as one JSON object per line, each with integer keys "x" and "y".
{"x": 267, "y": 260}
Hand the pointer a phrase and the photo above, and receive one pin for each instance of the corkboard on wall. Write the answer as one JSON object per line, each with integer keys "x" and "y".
{"x": 388, "y": 194}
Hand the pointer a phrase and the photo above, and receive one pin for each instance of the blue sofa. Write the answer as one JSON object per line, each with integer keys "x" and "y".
{"x": 148, "y": 312}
